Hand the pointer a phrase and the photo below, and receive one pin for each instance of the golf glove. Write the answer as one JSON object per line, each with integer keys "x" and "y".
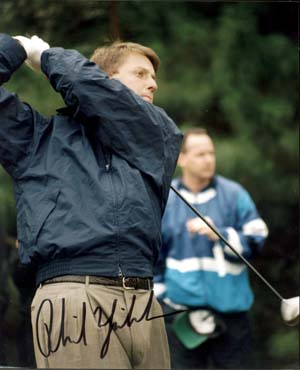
{"x": 34, "y": 48}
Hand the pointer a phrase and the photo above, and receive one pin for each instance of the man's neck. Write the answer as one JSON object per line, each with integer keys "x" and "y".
{"x": 194, "y": 184}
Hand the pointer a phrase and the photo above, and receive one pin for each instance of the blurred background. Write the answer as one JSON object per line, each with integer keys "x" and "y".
{"x": 231, "y": 67}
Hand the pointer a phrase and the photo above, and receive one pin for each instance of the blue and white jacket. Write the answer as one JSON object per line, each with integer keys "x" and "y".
{"x": 194, "y": 271}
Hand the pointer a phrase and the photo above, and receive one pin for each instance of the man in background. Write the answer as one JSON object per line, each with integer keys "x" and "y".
{"x": 198, "y": 272}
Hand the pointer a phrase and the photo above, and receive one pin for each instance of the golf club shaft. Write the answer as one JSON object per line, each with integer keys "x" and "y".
{"x": 228, "y": 244}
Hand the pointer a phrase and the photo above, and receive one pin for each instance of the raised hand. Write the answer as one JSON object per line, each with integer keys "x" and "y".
{"x": 34, "y": 48}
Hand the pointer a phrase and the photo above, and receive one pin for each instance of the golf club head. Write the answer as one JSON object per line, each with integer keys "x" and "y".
{"x": 290, "y": 311}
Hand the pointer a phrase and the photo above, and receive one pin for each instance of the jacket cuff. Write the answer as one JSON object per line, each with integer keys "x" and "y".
{"x": 12, "y": 56}
{"x": 46, "y": 55}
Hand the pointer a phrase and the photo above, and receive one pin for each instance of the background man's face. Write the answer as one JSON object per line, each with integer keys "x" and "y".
{"x": 138, "y": 74}
{"x": 198, "y": 159}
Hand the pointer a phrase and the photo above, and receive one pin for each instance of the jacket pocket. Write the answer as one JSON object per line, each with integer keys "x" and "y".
{"x": 33, "y": 211}
{"x": 43, "y": 210}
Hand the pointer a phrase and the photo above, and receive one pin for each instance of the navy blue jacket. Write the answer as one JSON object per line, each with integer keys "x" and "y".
{"x": 92, "y": 181}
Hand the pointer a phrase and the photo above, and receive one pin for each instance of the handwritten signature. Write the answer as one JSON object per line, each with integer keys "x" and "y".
{"x": 112, "y": 325}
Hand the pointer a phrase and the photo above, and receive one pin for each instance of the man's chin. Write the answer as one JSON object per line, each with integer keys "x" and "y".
{"x": 207, "y": 176}
{"x": 147, "y": 98}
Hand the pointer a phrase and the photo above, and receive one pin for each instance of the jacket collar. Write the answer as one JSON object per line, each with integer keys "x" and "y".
{"x": 212, "y": 184}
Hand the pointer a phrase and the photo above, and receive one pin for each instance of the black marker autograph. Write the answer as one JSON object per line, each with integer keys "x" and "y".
{"x": 98, "y": 313}
{"x": 62, "y": 338}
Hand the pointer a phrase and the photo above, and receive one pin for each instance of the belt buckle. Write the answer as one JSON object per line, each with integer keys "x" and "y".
{"x": 125, "y": 286}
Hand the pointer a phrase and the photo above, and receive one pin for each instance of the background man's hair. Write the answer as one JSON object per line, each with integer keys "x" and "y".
{"x": 192, "y": 131}
{"x": 110, "y": 57}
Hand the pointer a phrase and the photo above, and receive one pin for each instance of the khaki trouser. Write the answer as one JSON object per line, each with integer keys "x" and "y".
{"x": 94, "y": 326}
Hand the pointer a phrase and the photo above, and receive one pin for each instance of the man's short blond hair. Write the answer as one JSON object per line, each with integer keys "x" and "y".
{"x": 110, "y": 57}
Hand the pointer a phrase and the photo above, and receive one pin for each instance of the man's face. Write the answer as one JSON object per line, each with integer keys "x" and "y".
{"x": 138, "y": 74}
{"x": 198, "y": 160}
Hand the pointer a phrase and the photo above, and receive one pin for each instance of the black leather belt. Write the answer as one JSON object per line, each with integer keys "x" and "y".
{"x": 125, "y": 282}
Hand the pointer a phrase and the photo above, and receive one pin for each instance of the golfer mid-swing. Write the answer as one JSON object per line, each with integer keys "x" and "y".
{"x": 91, "y": 184}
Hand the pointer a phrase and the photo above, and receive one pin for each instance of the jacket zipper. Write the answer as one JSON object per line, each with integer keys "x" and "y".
{"x": 108, "y": 159}
{"x": 120, "y": 271}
